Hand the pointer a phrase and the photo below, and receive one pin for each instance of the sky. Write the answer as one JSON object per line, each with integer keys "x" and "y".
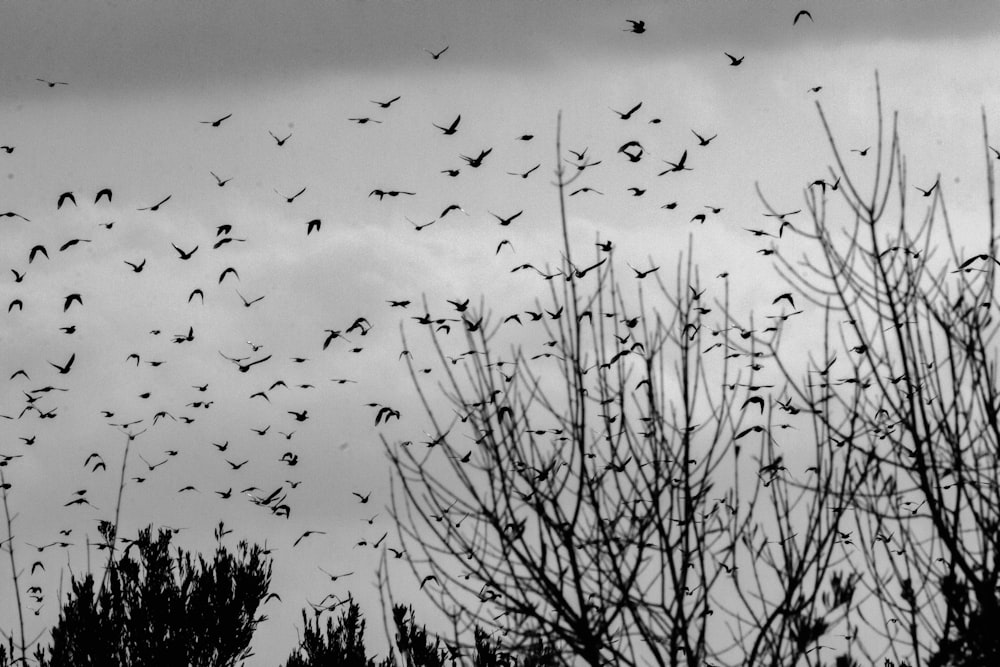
{"x": 142, "y": 83}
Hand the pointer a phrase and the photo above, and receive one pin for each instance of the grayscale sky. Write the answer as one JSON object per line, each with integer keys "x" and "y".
{"x": 142, "y": 76}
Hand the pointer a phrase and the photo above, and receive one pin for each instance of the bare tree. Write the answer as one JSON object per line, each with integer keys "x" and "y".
{"x": 907, "y": 386}
{"x": 621, "y": 494}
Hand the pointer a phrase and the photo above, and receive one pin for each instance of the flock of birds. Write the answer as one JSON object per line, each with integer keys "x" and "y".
{"x": 39, "y": 388}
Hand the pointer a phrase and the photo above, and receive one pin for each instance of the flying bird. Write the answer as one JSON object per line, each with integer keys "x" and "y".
{"x": 280, "y": 142}
{"x": 313, "y": 226}
{"x": 386, "y": 105}
{"x": 451, "y": 129}
{"x": 628, "y": 114}
{"x": 437, "y": 55}
{"x": 293, "y": 197}
{"x": 637, "y": 26}
{"x": 52, "y": 84}
{"x": 800, "y": 14}
{"x": 65, "y": 368}
{"x": 219, "y": 181}
{"x": 702, "y": 141}
{"x": 157, "y": 205}
{"x": 65, "y": 197}
{"x": 104, "y": 192}
{"x": 476, "y": 162}
{"x": 216, "y": 123}
{"x": 68, "y": 301}
{"x": 734, "y": 61}
{"x": 185, "y": 254}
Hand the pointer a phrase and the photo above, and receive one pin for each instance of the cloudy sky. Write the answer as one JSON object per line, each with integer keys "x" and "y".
{"x": 141, "y": 78}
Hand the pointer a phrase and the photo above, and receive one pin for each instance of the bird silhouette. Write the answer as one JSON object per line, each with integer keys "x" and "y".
{"x": 451, "y": 129}
{"x": 280, "y": 142}
{"x": 734, "y": 61}
{"x": 218, "y": 122}
{"x": 437, "y": 55}
{"x": 524, "y": 174}
{"x": 186, "y": 254}
{"x": 800, "y": 14}
{"x": 506, "y": 221}
{"x": 386, "y": 105}
{"x": 628, "y": 114}
{"x": 52, "y": 84}
{"x": 305, "y": 535}
{"x": 476, "y": 162}
{"x": 69, "y": 299}
{"x": 313, "y": 226}
{"x": 104, "y": 192}
{"x": 219, "y": 181}
{"x": 65, "y": 368}
{"x": 293, "y": 197}
{"x": 703, "y": 141}
{"x": 65, "y": 197}
{"x": 157, "y": 205}
{"x": 637, "y": 26}
{"x": 929, "y": 191}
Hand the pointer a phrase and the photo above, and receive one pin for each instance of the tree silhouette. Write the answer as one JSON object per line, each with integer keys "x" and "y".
{"x": 622, "y": 495}
{"x": 158, "y": 609}
{"x": 906, "y": 387}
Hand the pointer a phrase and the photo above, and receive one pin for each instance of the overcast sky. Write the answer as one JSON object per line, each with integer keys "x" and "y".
{"x": 141, "y": 77}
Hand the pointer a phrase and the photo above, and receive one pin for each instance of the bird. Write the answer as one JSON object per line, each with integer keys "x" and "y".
{"x": 787, "y": 296}
{"x": 526, "y": 173}
{"x": 293, "y": 197}
{"x": 246, "y": 303}
{"x": 800, "y": 14}
{"x": 65, "y": 368}
{"x": 506, "y": 221}
{"x": 451, "y": 129}
{"x": 927, "y": 193}
{"x": 418, "y": 226}
{"x": 437, "y": 55}
{"x": 7, "y": 149}
{"x": 157, "y": 205}
{"x": 69, "y": 299}
{"x": 364, "y": 120}
{"x": 861, "y": 151}
{"x": 734, "y": 61}
{"x": 642, "y": 274}
{"x": 677, "y": 166}
{"x": 219, "y": 181}
{"x": 476, "y": 162}
{"x": 386, "y": 105}
{"x": 313, "y": 226}
{"x": 216, "y": 123}
{"x": 65, "y": 197}
{"x": 52, "y": 84}
{"x": 637, "y": 26}
{"x": 429, "y": 577}
{"x": 226, "y": 272}
{"x": 280, "y": 142}
{"x": 388, "y": 193}
{"x": 12, "y": 214}
{"x": 363, "y": 499}
{"x": 628, "y": 114}
{"x": 451, "y": 207}
{"x": 72, "y": 242}
{"x": 104, "y": 192}
{"x": 299, "y": 416}
{"x": 186, "y": 254}
{"x": 702, "y": 141}
{"x": 305, "y": 535}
